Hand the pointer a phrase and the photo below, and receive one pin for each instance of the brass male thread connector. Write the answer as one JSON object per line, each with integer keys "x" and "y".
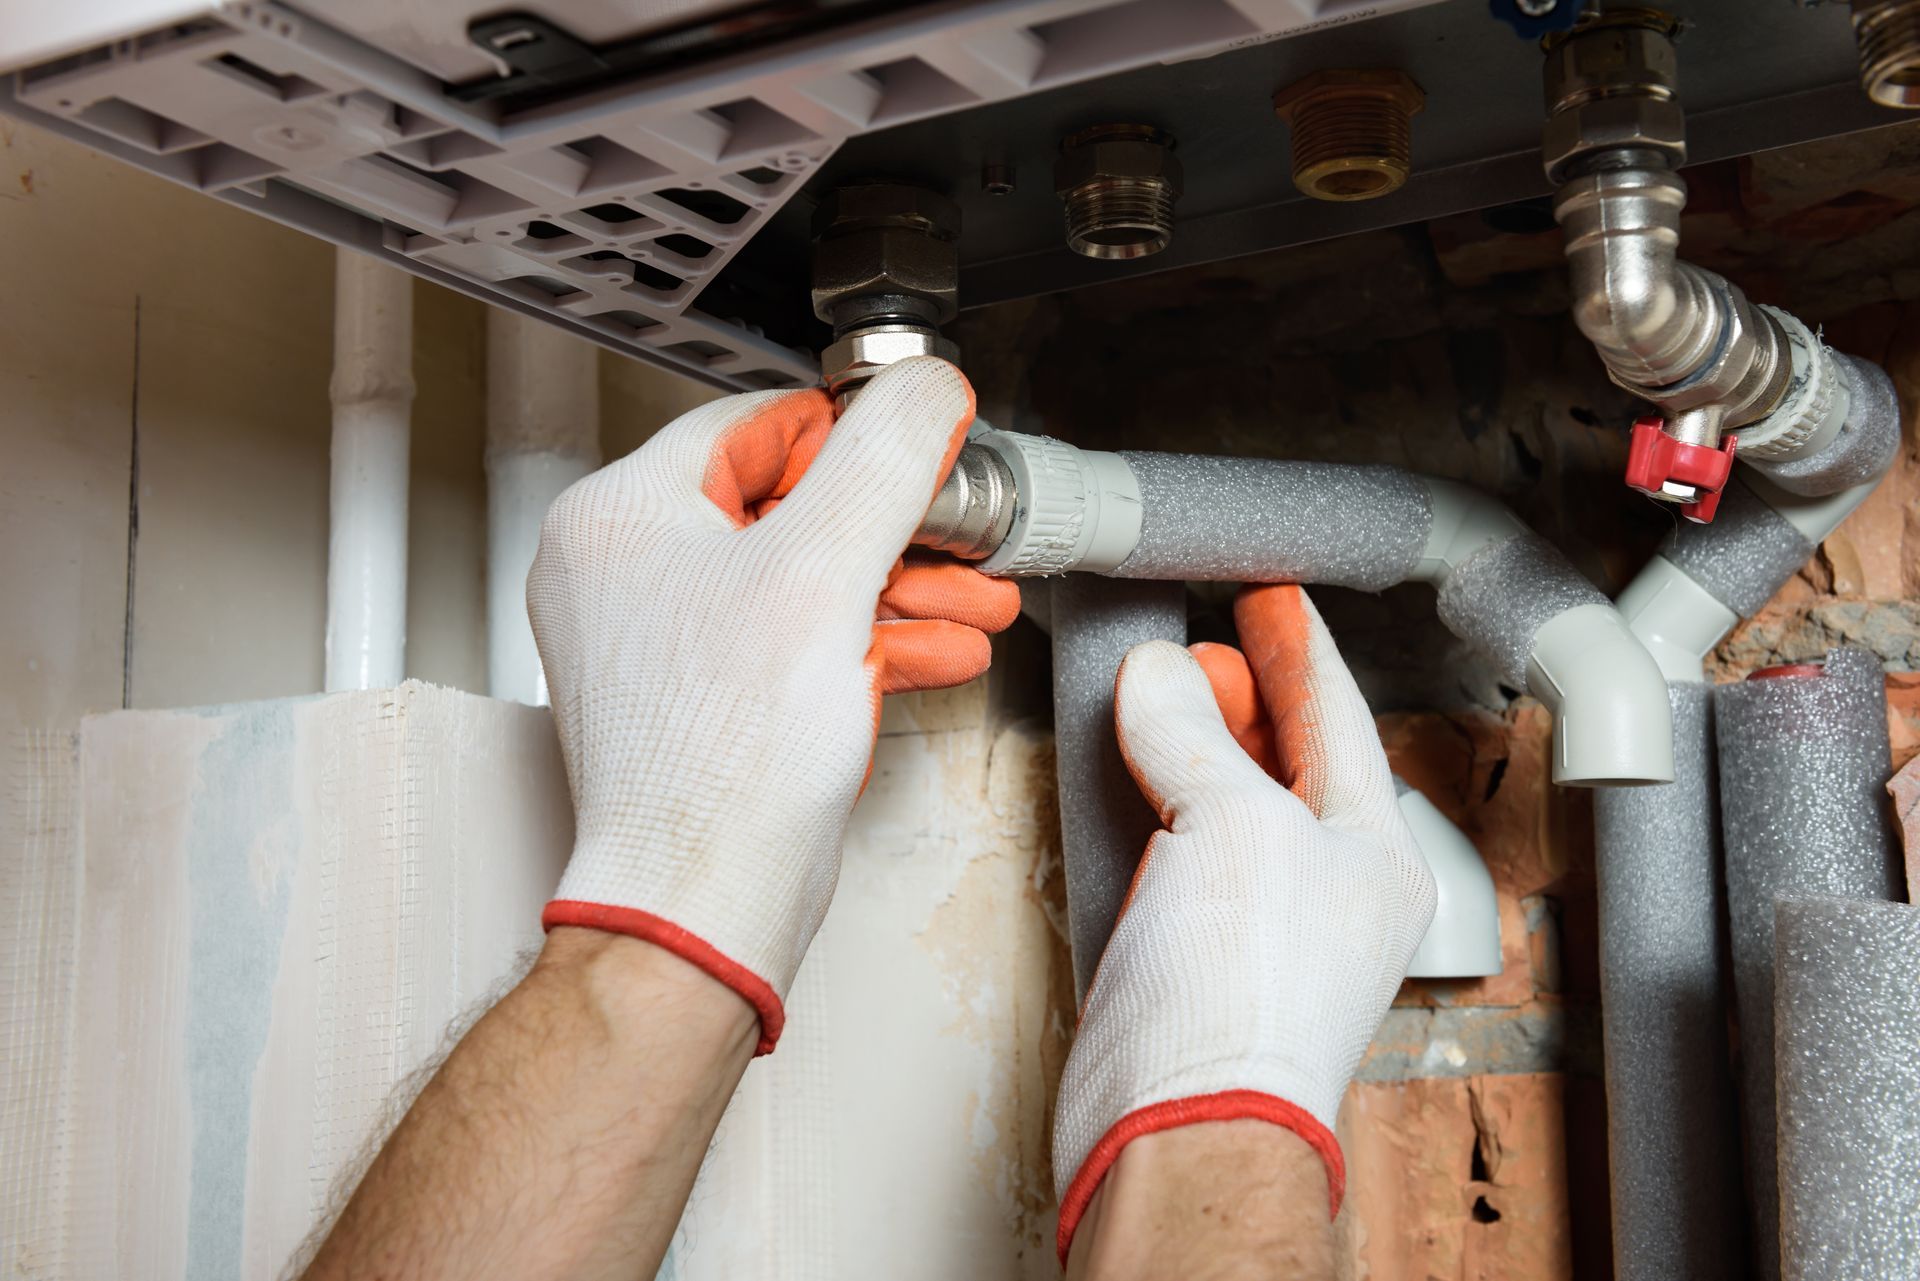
{"x": 1118, "y": 184}
{"x": 1889, "y": 35}
{"x": 1352, "y": 131}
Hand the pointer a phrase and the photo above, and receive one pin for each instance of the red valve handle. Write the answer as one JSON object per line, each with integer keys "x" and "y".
{"x": 1654, "y": 458}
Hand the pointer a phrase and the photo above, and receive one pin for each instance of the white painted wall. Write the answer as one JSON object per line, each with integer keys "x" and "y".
{"x": 902, "y": 1126}
{"x": 234, "y": 352}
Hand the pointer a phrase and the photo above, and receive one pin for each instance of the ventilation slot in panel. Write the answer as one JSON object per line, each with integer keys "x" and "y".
{"x": 910, "y": 88}
{"x": 288, "y": 88}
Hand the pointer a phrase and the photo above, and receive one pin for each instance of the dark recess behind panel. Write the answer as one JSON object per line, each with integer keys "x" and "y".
{"x": 1755, "y": 74}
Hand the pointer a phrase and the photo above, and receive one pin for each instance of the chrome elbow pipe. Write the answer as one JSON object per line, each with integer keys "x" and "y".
{"x": 1684, "y": 338}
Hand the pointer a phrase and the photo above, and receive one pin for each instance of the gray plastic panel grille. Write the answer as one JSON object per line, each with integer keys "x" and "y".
{"x": 608, "y": 212}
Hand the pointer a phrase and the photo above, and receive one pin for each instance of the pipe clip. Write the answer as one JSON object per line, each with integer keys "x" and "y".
{"x": 1672, "y": 470}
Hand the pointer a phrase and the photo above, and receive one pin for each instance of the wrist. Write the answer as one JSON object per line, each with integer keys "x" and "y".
{"x": 637, "y": 986}
{"x": 1235, "y": 1107}
{"x": 1211, "y": 1201}
{"x": 692, "y": 950}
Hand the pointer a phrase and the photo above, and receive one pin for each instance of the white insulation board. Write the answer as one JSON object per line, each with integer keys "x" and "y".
{"x": 281, "y": 907}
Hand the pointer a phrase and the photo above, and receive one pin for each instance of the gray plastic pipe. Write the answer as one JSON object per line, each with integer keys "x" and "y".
{"x": 1104, "y": 821}
{"x": 1183, "y": 517}
{"x": 1673, "y": 1151}
{"x": 1803, "y": 766}
{"x": 1846, "y": 1019}
{"x": 1673, "y": 1154}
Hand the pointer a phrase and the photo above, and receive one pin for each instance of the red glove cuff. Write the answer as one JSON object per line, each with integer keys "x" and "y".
{"x": 689, "y": 947}
{"x": 1228, "y": 1105}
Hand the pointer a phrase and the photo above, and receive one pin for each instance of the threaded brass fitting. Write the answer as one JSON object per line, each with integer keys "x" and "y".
{"x": 1889, "y": 35}
{"x": 1118, "y": 184}
{"x": 1352, "y": 131}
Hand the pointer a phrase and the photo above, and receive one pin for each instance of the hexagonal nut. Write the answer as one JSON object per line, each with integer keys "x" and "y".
{"x": 1113, "y": 158}
{"x": 865, "y": 352}
{"x": 1606, "y": 124}
{"x": 886, "y": 204}
{"x": 1349, "y": 84}
{"x": 886, "y": 260}
{"x": 1609, "y": 59}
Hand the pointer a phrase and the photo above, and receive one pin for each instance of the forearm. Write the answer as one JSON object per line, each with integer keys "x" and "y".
{"x": 1217, "y": 1201}
{"x": 561, "y": 1137}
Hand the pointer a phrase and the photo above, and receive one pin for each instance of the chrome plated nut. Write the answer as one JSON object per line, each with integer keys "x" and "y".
{"x": 1630, "y": 52}
{"x": 1608, "y": 124}
{"x": 886, "y": 204}
{"x": 1611, "y": 83}
{"x": 863, "y": 353}
{"x": 1138, "y": 155}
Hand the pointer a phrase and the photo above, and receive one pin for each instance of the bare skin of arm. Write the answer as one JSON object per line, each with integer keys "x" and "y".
{"x": 561, "y": 1137}
{"x": 1218, "y": 1201}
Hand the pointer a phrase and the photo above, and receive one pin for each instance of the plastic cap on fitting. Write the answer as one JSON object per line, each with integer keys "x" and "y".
{"x": 1074, "y": 508}
{"x": 1464, "y": 939}
{"x": 1655, "y": 460}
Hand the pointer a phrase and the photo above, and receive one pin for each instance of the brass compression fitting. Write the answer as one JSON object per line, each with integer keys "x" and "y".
{"x": 1352, "y": 131}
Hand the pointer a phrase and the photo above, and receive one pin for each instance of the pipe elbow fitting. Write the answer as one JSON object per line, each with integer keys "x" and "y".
{"x": 1612, "y": 722}
{"x": 1652, "y": 318}
{"x": 1463, "y": 940}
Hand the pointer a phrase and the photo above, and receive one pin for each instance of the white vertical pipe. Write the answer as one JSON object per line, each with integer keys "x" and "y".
{"x": 372, "y": 392}
{"x": 543, "y": 433}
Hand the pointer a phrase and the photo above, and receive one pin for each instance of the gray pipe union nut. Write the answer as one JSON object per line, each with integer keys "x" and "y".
{"x": 886, "y": 238}
{"x": 1610, "y": 85}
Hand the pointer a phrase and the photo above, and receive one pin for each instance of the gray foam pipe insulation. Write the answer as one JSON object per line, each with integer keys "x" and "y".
{"x": 1803, "y": 765}
{"x": 1174, "y": 518}
{"x": 1104, "y": 821}
{"x": 1846, "y": 1026}
{"x": 1673, "y": 1155}
{"x": 1673, "y": 1149}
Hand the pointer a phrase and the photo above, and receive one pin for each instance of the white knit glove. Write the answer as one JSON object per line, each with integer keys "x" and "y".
{"x": 1267, "y": 930}
{"x": 718, "y": 614}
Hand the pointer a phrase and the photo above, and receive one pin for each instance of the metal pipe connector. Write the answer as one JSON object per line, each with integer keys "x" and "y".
{"x": 1675, "y": 334}
{"x": 1352, "y": 131}
{"x": 1119, "y": 184}
{"x": 1888, "y": 32}
{"x": 1611, "y": 84}
{"x": 973, "y": 511}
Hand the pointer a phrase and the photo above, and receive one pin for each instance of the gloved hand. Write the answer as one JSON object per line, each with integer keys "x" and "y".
{"x": 718, "y": 614}
{"x": 1266, "y": 929}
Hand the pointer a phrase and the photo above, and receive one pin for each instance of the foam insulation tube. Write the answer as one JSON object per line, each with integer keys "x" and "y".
{"x": 1104, "y": 821}
{"x": 1181, "y": 517}
{"x": 1803, "y": 760}
{"x": 1671, "y": 1137}
{"x": 1705, "y": 578}
{"x": 543, "y": 434}
{"x": 372, "y": 395}
{"x": 1673, "y": 1154}
{"x": 1846, "y": 1020}
{"x": 1843, "y": 418}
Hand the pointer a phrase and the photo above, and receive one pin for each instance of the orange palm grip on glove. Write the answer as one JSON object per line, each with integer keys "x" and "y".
{"x": 719, "y": 614}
